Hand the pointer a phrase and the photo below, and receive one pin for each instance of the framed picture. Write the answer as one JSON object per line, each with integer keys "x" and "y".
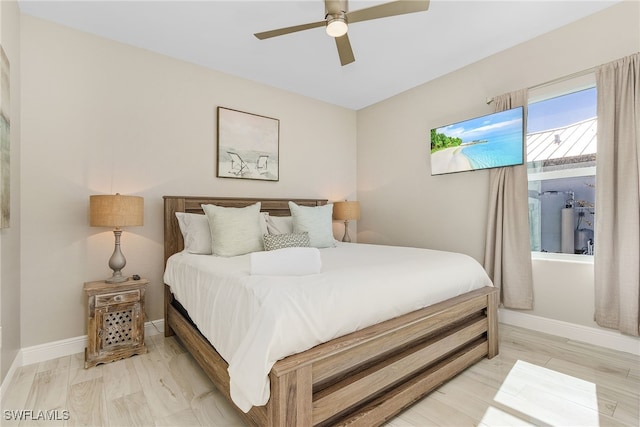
{"x": 248, "y": 146}
{"x": 5, "y": 143}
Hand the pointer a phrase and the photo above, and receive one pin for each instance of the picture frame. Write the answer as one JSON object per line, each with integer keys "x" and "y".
{"x": 248, "y": 146}
{"x": 5, "y": 141}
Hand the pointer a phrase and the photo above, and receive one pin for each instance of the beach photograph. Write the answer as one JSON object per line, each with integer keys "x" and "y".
{"x": 494, "y": 140}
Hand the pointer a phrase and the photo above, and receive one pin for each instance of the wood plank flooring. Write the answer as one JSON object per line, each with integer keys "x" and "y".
{"x": 537, "y": 379}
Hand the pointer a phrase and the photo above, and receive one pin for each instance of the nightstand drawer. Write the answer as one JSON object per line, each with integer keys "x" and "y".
{"x": 117, "y": 298}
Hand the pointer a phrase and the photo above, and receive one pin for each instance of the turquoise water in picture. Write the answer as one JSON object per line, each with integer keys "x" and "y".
{"x": 502, "y": 150}
{"x": 489, "y": 141}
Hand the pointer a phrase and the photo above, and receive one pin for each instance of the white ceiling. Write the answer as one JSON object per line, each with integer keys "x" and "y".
{"x": 392, "y": 54}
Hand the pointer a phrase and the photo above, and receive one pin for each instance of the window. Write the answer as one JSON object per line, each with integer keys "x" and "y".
{"x": 561, "y": 160}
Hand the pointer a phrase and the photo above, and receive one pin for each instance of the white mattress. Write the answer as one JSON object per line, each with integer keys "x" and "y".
{"x": 254, "y": 321}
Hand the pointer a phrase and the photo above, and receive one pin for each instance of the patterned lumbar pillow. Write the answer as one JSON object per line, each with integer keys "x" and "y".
{"x": 292, "y": 240}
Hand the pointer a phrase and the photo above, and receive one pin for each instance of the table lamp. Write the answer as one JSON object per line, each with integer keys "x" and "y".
{"x": 346, "y": 211}
{"x": 116, "y": 211}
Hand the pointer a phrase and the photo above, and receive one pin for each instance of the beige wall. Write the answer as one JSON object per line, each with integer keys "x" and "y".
{"x": 403, "y": 204}
{"x": 10, "y": 237}
{"x": 102, "y": 117}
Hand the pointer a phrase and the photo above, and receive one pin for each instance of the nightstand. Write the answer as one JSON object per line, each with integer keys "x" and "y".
{"x": 115, "y": 327}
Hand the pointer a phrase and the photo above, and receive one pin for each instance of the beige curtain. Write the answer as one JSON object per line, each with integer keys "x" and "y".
{"x": 507, "y": 257}
{"x": 617, "y": 231}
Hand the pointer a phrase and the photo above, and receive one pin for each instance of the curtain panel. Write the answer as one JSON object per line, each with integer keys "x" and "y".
{"x": 617, "y": 219}
{"x": 507, "y": 257}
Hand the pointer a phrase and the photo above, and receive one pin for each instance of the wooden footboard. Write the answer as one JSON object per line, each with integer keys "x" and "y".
{"x": 366, "y": 377}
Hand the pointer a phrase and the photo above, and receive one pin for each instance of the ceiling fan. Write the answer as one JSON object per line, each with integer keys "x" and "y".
{"x": 337, "y": 18}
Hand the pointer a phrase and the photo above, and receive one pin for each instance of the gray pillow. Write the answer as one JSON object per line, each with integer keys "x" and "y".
{"x": 279, "y": 224}
{"x": 292, "y": 240}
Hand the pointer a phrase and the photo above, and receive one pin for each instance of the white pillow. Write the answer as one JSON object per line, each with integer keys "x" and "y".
{"x": 317, "y": 221}
{"x": 235, "y": 231}
{"x": 280, "y": 224}
{"x": 195, "y": 232}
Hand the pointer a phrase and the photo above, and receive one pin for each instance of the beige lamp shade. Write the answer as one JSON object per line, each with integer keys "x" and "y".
{"x": 116, "y": 211}
{"x": 346, "y": 211}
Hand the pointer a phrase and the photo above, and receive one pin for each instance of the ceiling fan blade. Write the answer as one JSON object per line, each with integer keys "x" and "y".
{"x": 344, "y": 50}
{"x": 288, "y": 30}
{"x": 387, "y": 9}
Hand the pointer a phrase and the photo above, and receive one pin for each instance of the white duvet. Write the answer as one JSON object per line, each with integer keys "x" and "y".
{"x": 254, "y": 321}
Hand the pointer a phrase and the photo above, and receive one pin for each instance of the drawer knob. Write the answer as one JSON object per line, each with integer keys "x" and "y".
{"x": 118, "y": 298}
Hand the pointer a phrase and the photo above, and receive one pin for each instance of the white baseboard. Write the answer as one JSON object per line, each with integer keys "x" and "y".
{"x": 154, "y": 327}
{"x": 600, "y": 337}
{"x": 67, "y": 347}
{"x": 53, "y": 350}
{"x": 17, "y": 362}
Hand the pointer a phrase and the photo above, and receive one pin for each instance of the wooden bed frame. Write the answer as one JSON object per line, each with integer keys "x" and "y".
{"x": 363, "y": 378}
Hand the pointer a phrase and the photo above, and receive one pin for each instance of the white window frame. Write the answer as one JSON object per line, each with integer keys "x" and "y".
{"x": 542, "y": 93}
{"x": 561, "y": 173}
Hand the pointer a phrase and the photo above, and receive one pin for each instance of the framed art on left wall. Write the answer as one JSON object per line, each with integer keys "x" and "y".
{"x": 248, "y": 146}
{"x": 5, "y": 142}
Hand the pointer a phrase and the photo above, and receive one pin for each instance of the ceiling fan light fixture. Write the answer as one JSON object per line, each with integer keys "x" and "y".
{"x": 337, "y": 26}
{"x": 337, "y": 17}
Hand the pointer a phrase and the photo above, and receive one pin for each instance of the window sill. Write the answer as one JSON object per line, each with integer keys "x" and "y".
{"x": 551, "y": 256}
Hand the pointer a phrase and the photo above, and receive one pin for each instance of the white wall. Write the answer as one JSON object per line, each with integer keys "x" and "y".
{"x": 101, "y": 117}
{"x": 401, "y": 203}
{"x": 564, "y": 290}
{"x": 10, "y": 237}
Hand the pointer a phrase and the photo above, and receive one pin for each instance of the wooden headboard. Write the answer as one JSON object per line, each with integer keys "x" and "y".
{"x": 173, "y": 242}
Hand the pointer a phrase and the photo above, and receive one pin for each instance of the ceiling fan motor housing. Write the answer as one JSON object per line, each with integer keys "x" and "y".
{"x": 335, "y": 7}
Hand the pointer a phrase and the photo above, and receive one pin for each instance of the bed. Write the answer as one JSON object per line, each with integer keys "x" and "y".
{"x": 364, "y": 377}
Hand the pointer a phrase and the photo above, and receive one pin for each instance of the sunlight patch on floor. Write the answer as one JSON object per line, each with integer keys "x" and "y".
{"x": 542, "y": 395}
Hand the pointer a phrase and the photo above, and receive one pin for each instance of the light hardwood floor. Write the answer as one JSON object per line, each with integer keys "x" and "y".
{"x": 537, "y": 379}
